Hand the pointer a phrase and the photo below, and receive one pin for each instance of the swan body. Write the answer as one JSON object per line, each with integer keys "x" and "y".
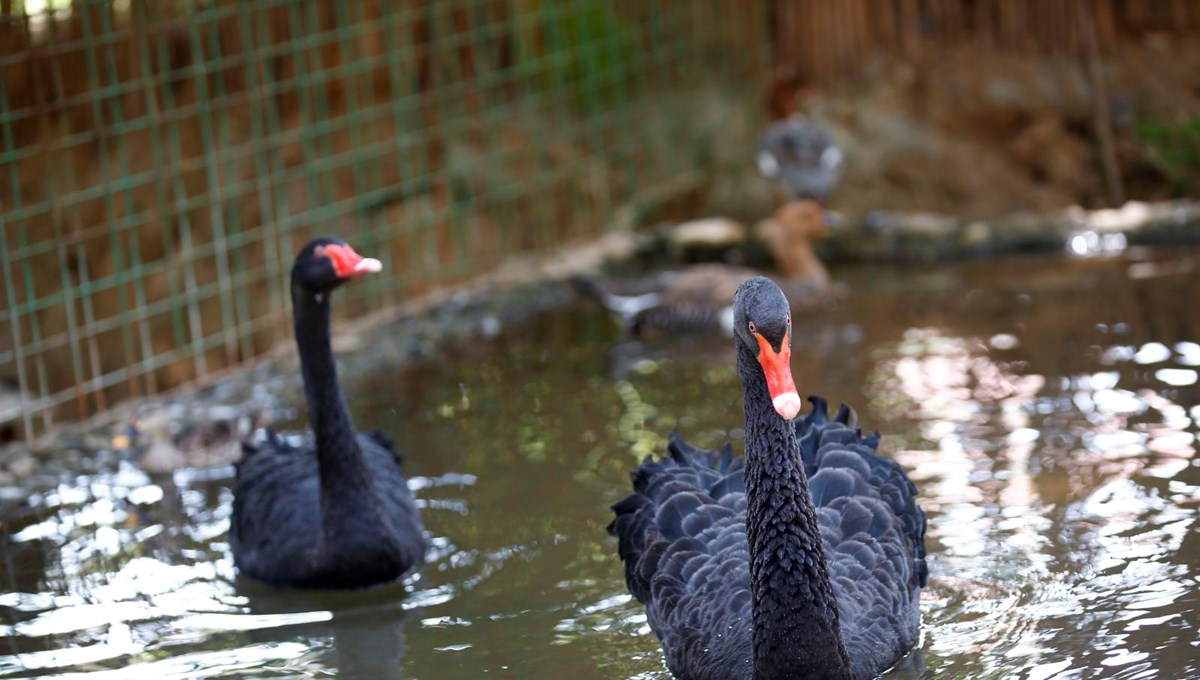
{"x": 291, "y": 542}
{"x": 333, "y": 511}
{"x": 805, "y": 559}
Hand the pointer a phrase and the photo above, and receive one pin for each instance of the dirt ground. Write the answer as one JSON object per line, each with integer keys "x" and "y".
{"x": 981, "y": 135}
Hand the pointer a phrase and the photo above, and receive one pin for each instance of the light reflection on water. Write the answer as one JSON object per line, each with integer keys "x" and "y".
{"x": 1046, "y": 408}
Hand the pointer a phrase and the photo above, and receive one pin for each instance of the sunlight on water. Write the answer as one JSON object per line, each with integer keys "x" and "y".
{"x": 1050, "y": 426}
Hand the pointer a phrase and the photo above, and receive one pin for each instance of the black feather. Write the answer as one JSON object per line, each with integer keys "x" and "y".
{"x": 682, "y": 537}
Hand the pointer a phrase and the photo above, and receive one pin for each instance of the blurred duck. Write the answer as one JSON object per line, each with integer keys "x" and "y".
{"x": 798, "y": 153}
{"x": 700, "y": 297}
{"x": 802, "y": 156}
{"x": 173, "y": 441}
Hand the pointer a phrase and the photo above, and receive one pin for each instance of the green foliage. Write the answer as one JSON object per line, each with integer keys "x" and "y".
{"x": 583, "y": 48}
{"x": 1175, "y": 149}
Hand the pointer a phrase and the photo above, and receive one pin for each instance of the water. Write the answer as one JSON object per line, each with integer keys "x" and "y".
{"x": 1046, "y": 408}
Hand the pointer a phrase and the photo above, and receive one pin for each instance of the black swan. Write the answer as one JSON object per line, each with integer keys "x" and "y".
{"x": 805, "y": 560}
{"x": 336, "y": 511}
{"x": 802, "y": 156}
{"x": 700, "y": 297}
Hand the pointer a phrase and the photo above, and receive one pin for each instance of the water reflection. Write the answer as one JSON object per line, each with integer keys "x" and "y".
{"x": 1047, "y": 408}
{"x": 1053, "y": 476}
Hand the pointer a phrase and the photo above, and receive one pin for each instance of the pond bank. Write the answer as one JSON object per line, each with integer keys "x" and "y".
{"x": 418, "y": 329}
{"x": 899, "y": 237}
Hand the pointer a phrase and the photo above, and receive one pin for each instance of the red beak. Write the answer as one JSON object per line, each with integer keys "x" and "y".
{"x": 777, "y": 367}
{"x": 348, "y": 264}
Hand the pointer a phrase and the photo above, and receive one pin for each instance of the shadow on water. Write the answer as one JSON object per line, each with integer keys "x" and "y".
{"x": 1046, "y": 408}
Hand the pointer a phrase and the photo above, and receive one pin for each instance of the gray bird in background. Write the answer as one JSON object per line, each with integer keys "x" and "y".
{"x": 802, "y": 156}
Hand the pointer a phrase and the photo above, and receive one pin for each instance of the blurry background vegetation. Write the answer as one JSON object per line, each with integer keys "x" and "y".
{"x": 161, "y": 161}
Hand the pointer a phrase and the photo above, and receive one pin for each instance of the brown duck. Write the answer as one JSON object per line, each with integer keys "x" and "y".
{"x": 700, "y": 297}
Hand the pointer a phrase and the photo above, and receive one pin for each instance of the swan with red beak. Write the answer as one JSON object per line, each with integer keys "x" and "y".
{"x": 332, "y": 510}
{"x": 804, "y": 559}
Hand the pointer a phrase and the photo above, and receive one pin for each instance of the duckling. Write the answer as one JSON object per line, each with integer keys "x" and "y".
{"x": 699, "y": 297}
{"x": 211, "y": 441}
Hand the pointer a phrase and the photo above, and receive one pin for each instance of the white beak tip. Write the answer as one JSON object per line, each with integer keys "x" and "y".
{"x": 787, "y": 405}
{"x": 368, "y": 264}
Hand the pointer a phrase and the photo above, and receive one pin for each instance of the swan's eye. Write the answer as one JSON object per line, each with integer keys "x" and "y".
{"x": 319, "y": 251}
{"x": 789, "y": 319}
{"x": 753, "y": 330}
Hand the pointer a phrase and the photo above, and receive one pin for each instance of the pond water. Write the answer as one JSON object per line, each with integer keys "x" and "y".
{"x": 1046, "y": 408}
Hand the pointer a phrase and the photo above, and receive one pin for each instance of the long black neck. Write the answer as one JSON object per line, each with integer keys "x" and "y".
{"x": 343, "y": 470}
{"x": 795, "y": 615}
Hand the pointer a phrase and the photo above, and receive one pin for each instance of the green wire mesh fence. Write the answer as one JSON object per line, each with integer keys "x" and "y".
{"x": 160, "y": 162}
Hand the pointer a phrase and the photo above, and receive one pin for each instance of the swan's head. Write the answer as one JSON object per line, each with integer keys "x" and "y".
{"x": 327, "y": 262}
{"x": 762, "y": 322}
